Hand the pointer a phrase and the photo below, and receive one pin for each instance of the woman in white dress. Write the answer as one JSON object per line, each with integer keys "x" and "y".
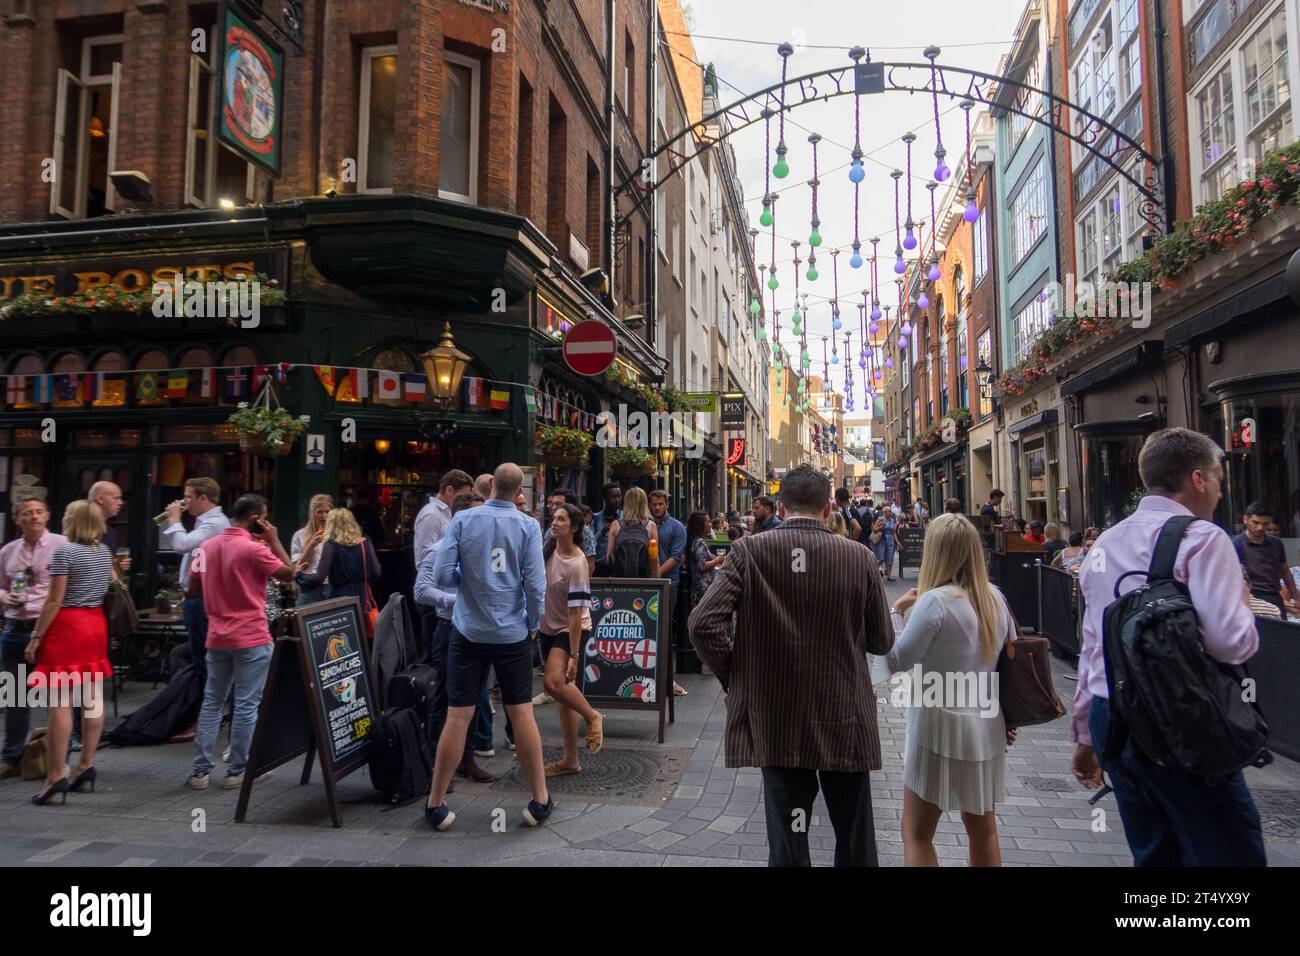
{"x": 955, "y": 753}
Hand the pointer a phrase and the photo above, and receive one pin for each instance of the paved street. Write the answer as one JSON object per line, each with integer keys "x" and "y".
{"x": 669, "y": 805}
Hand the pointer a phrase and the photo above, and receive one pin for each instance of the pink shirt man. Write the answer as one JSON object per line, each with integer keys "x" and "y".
{"x": 1207, "y": 564}
{"x": 16, "y": 558}
{"x": 233, "y": 570}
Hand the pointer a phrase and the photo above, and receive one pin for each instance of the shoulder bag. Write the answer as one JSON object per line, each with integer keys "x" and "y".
{"x": 1025, "y": 691}
{"x": 371, "y": 610}
{"x": 120, "y": 611}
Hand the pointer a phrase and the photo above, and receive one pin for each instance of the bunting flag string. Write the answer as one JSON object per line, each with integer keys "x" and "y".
{"x": 150, "y": 385}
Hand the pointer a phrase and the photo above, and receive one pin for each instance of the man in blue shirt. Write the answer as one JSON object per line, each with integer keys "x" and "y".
{"x": 612, "y": 495}
{"x": 672, "y": 551}
{"x": 493, "y": 554}
{"x": 765, "y": 518}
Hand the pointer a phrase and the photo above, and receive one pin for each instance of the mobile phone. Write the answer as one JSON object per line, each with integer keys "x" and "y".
{"x": 256, "y": 527}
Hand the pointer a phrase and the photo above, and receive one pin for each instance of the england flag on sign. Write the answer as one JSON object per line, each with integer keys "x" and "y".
{"x": 390, "y": 385}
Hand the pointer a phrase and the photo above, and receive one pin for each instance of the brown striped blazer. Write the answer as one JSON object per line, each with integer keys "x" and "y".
{"x": 798, "y": 689}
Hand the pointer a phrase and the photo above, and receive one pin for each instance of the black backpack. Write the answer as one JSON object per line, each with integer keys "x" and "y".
{"x": 1183, "y": 709}
{"x": 174, "y": 710}
{"x": 400, "y": 767}
{"x": 631, "y": 556}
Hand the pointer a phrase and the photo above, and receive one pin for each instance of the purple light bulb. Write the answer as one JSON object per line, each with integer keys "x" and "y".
{"x": 909, "y": 240}
{"x": 889, "y": 363}
{"x": 902, "y": 343}
{"x": 972, "y": 211}
{"x": 875, "y": 314}
{"x": 942, "y": 172}
{"x": 933, "y": 274}
{"x": 907, "y": 328}
{"x": 899, "y": 265}
{"x": 874, "y": 327}
{"x": 923, "y": 301}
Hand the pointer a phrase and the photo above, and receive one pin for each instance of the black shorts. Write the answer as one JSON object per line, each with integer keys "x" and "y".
{"x": 467, "y": 670}
{"x": 550, "y": 641}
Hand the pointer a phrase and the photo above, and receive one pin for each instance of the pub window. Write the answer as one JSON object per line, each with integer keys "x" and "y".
{"x": 239, "y": 355}
{"x": 22, "y": 378}
{"x": 66, "y": 384}
{"x": 378, "y": 125}
{"x": 458, "y": 150}
{"x": 85, "y": 131}
{"x": 212, "y": 171}
{"x": 150, "y": 361}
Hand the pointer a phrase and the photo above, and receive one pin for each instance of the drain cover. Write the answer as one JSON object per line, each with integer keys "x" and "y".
{"x": 1047, "y": 783}
{"x": 1279, "y": 812}
{"x": 613, "y": 775}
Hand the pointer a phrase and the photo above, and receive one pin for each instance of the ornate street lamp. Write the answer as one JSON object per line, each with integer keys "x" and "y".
{"x": 445, "y": 365}
{"x": 667, "y": 455}
{"x": 984, "y": 375}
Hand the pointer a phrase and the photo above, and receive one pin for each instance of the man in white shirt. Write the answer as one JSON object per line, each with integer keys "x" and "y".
{"x": 431, "y": 523}
{"x": 201, "y": 497}
{"x": 1169, "y": 818}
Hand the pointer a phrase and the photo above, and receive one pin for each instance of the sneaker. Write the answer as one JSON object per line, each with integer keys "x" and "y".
{"x": 199, "y": 780}
{"x": 225, "y": 755}
{"x": 543, "y": 698}
{"x": 233, "y": 780}
{"x": 490, "y": 752}
{"x": 511, "y": 745}
{"x": 439, "y": 817}
{"x": 535, "y": 814}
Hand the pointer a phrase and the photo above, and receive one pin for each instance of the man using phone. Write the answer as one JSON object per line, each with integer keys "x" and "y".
{"x": 230, "y": 572}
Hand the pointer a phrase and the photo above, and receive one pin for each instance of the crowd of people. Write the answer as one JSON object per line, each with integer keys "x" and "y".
{"x": 795, "y": 601}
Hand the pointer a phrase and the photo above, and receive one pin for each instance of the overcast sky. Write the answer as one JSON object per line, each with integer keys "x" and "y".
{"x": 970, "y": 35}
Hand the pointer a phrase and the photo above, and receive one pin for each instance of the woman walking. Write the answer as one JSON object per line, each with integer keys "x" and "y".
{"x": 565, "y": 627}
{"x": 633, "y": 525}
{"x": 307, "y": 544}
{"x": 955, "y": 753}
{"x": 347, "y": 560}
{"x": 69, "y": 646}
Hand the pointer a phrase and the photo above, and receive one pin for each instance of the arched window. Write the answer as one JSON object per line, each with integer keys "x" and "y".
{"x": 110, "y": 362}
{"x": 149, "y": 389}
{"x": 239, "y": 355}
{"x": 959, "y": 286}
{"x": 22, "y": 380}
{"x": 67, "y": 380}
{"x": 194, "y": 358}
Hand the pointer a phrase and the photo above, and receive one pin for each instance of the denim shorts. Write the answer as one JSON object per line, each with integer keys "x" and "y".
{"x": 467, "y": 670}
{"x": 550, "y": 642}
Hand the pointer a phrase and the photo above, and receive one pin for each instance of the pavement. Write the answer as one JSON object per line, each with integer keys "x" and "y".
{"x": 639, "y": 804}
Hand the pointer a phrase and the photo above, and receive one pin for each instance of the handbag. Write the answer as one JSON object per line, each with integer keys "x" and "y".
{"x": 33, "y": 763}
{"x": 120, "y": 611}
{"x": 1025, "y": 692}
{"x": 371, "y": 610}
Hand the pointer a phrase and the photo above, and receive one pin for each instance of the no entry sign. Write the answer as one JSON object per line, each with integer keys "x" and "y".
{"x": 589, "y": 347}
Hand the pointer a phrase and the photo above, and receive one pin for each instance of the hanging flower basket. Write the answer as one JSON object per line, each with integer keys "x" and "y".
{"x": 630, "y": 462}
{"x": 264, "y": 427}
{"x": 563, "y": 447}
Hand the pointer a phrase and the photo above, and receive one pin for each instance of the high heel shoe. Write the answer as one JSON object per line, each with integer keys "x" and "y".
{"x": 59, "y": 786}
{"x": 86, "y": 776}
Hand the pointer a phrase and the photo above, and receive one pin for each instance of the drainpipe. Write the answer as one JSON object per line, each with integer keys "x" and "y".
{"x": 1166, "y": 160}
{"x": 652, "y": 206}
{"x": 611, "y": 214}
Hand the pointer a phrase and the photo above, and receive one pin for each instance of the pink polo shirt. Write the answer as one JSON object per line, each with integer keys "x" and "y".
{"x": 233, "y": 572}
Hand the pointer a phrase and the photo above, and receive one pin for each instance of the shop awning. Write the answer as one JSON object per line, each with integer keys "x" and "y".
{"x": 1048, "y": 417}
{"x": 1139, "y": 354}
{"x": 746, "y": 474}
{"x": 1259, "y": 296}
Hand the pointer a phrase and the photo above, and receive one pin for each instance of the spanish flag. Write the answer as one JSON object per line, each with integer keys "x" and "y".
{"x": 325, "y": 375}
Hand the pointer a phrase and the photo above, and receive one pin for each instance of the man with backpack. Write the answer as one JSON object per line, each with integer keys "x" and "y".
{"x": 1172, "y": 815}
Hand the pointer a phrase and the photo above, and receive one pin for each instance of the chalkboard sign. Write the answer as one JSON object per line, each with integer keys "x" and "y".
{"x": 317, "y": 700}
{"x": 912, "y": 541}
{"x": 627, "y": 661}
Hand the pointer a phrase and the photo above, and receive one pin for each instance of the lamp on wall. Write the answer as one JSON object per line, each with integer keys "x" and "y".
{"x": 667, "y": 455}
{"x": 445, "y": 365}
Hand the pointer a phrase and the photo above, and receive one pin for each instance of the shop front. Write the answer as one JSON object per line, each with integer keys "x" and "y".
{"x": 1038, "y": 468}
{"x": 943, "y": 476}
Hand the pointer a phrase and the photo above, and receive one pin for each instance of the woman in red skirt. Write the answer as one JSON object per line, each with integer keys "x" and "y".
{"x": 69, "y": 646}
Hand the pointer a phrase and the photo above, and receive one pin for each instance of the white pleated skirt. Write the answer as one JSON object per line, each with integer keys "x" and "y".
{"x": 957, "y": 761}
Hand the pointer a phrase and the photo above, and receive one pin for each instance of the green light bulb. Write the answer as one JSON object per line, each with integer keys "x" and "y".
{"x": 766, "y": 218}
{"x": 815, "y": 239}
{"x": 781, "y": 169}
{"x": 755, "y": 308}
{"x": 772, "y": 283}
{"x": 803, "y": 357}
{"x": 812, "y": 274}
{"x": 762, "y": 334}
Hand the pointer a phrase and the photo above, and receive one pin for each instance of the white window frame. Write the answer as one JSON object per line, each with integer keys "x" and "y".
{"x": 200, "y": 64}
{"x": 980, "y": 241}
{"x": 1249, "y": 132}
{"x": 368, "y": 56}
{"x": 1021, "y": 218}
{"x": 475, "y": 106}
{"x": 84, "y": 81}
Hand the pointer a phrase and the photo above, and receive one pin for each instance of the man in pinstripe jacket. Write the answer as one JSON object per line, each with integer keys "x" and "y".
{"x": 810, "y": 605}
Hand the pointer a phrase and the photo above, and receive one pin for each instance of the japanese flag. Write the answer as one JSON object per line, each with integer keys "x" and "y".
{"x": 390, "y": 385}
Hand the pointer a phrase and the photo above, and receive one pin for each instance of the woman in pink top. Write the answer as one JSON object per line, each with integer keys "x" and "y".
{"x": 566, "y": 624}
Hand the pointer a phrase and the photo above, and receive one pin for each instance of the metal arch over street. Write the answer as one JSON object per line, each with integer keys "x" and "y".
{"x": 1100, "y": 138}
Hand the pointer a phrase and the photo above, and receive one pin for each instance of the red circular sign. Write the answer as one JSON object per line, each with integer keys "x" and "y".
{"x": 589, "y": 347}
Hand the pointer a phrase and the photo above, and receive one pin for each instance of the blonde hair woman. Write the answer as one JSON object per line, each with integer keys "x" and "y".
{"x": 347, "y": 560}
{"x": 69, "y": 645}
{"x": 955, "y": 753}
{"x": 633, "y": 525}
{"x": 835, "y": 523}
{"x": 305, "y": 548}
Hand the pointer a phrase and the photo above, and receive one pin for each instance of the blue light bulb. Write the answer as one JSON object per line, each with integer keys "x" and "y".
{"x": 856, "y": 172}
{"x": 835, "y": 360}
{"x": 855, "y": 261}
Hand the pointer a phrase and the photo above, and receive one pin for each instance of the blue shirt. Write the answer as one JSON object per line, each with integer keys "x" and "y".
{"x": 672, "y": 544}
{"x": 600, "y": 526}
{"x": 427, "y": 592}
{"x": 493, "y": 554}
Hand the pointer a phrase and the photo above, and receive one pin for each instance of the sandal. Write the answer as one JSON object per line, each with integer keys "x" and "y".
{"x": 678, "y": 690}
{"x": 553, "y": 769}
{"x": 596, "y": 734}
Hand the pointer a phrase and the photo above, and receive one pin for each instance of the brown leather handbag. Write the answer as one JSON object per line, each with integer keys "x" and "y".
{"x": 1025, "y": 691}
{"x": 120, "y": 611}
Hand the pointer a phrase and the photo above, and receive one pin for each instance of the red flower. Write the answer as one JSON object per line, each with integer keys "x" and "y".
{"x": 1270, "y": 186}
{"x": 1293, "y": 169}
{"x": 1248, "y": 185}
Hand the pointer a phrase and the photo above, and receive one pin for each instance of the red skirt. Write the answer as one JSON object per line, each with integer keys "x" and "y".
{"x": 75, "y": 645}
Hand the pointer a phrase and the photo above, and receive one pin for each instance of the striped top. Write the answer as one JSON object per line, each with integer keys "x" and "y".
{"x": 809, "y": 606}
{"x": 568, "y": 584}
{"x": 88, "y": 569}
